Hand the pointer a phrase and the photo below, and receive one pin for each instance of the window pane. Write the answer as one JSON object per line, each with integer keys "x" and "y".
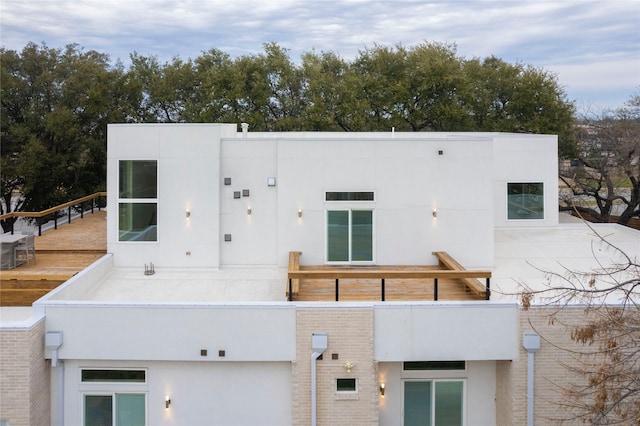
{"x": 417, "y": 403}
{"x": 362, "y": 235}
{"x": 138, "y": 179}
{"x": 130, "y": 409}
{"x": 349, "y": 196}
{"x": 338, "y": 236}
{"x": 525, "y": 201}
{"x": 138, "y": 221}
{"x": 98, "y": 410}
{"x": 434, "y": 365}
{"x": 448, "y": 405}
{"x": 132, "y": 376}
{"x": 346, "y": 385}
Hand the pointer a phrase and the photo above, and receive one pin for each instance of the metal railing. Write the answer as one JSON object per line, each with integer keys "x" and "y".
{"x": 383, "y": 275}
{"x": 80, "y": 202}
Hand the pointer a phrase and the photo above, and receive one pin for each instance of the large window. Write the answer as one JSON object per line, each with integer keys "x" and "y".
{"x": 349, "y": 235}
{"x": 434, "y": 403}
{"x": 138, "y": 200}
{"x": 525, "y": 201}
{"x": 116, "y": 409}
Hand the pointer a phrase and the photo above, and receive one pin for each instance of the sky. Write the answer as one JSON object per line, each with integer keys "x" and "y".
{"x": 593, "y": 47}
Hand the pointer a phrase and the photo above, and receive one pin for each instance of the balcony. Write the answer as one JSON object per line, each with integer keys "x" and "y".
{"x": 448, "y": 280}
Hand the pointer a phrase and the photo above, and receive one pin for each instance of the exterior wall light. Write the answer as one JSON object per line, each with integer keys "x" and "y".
{"x": 188, "y": 213}
{"x": 435, "y": 213}
{"x": 249, "y": 211}
{"x": 300, "y": 213}
{"x": 167, "y": 402}
{"x": 382, "y": 389}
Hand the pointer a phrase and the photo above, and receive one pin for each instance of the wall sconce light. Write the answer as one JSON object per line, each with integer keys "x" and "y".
{"x": 167, "y": 402}
{"x": 435, "y": 213}
{"x": 188, "y": 213}
{"x": 348, "y": 366}
{"x": 382, "y": 389}
{"x": 249, "y": 211}
{"x": 300, "y": 213}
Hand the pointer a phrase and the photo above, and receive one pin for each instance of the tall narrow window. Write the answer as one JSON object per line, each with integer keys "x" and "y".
{"x": 525, "y": 200}
{"x": 350, "y": 235}
{"x": 138, "y": 200}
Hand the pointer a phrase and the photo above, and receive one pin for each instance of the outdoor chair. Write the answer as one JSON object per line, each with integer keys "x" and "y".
{"x": 26, "y": 249}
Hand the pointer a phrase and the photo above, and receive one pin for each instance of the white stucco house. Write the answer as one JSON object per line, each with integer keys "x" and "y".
{"x": 189, "y": 319}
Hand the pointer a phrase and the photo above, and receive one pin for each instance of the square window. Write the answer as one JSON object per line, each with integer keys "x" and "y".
{"x": 525, "y": 201}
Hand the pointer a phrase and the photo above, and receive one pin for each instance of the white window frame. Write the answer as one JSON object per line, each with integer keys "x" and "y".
{"x": 113, "y": 394}
{"x": 544, "y": 201}
{"x": 373, "y": 234}
{"x": 433, "y": 381}
{"x": 138, "y": 201}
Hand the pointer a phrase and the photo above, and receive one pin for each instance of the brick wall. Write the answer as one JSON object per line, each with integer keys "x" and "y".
{"x": 551, "y": 374}
{"x": 24, "y": 377}
{"x": 350, "y": 336}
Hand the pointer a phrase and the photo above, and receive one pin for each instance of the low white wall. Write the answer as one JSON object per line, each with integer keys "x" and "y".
{"x": 161, "y": 332}
{"x": 443, "y": 331}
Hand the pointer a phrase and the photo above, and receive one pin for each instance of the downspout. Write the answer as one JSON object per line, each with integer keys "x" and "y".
{"x": 319, "y": 345}
{"x": 53, "y": 341}
{"x": 531, "y": 342}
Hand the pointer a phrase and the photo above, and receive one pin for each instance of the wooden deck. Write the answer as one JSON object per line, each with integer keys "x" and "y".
{"x": 401, "y": 283}
{"x": 60, "y": 254}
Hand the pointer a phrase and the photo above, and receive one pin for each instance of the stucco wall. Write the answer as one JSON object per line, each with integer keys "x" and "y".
{"x": 202, "y": 393}
{"x": 24, "y": 387}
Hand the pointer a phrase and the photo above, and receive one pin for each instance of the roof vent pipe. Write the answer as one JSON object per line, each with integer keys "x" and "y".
{"x": 319, "y": 345}
{"x": 245, "y": 129}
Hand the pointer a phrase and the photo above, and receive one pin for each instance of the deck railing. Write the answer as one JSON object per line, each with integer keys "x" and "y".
{"x": 80, "y": 202}
{"x": 383, "y": 275}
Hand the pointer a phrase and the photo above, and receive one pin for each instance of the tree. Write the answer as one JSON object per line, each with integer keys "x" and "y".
{"x": 55, "y": 104}
{"x": 606, "y": 170}
{"x": 606, "y": 372}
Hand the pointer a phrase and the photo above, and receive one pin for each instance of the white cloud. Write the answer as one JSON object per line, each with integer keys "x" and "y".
{"x": 582, "y": 41}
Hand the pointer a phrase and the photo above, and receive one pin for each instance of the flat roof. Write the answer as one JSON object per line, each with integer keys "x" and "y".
{"x": 527, "y": 255}
{"x": 522, "y": 255}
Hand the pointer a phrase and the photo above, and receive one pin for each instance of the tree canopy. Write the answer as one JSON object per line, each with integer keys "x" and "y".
{"x": 56, "y": 102}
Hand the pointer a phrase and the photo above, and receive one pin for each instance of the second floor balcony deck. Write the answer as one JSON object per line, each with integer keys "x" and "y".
{"x": 446, "y": 281}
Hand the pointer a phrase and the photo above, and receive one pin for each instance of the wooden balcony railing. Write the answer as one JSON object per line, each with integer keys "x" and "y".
{"x": 449, "y": 272}
{"x": 383, "y": 275}
{"x": 40, "y": 216}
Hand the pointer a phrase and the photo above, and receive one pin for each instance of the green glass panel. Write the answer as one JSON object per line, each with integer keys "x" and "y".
{"x": 525, "y": 201}
{"x": 138, "y": 221}
{"x": 138, "y": 179}
{"x": 346, "y": 385}
{"x": 434, "y": 365}
{"x": 130, "y": 410}
{"x": 338, "y": 236}
{"x": 417, "y": 403}
{"x": 448, "y": 404}
{"x": 98, "y": 410}
{"x": 362, "y": 235}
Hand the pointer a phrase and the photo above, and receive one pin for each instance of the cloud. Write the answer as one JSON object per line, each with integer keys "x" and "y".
{"x": 582, "y": 41}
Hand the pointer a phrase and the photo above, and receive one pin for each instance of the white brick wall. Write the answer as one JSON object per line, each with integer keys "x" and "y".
{"x": 350, "y": 335}
{"x": 24, "y": 377}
